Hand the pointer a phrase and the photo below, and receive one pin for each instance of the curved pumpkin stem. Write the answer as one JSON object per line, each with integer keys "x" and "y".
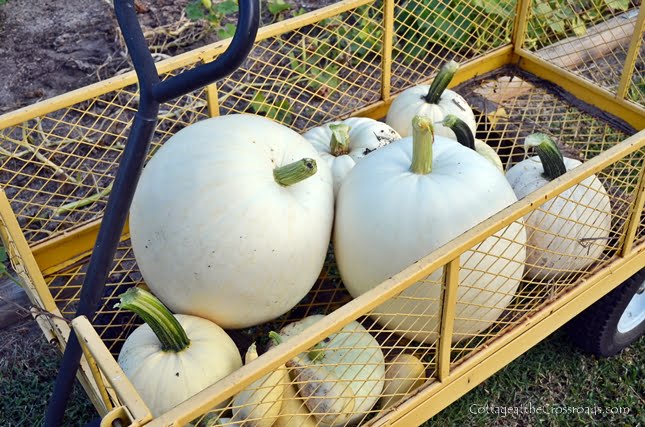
{"x": 295, "y": 172}
{"x": 441, "y": 82}
{"x": 463, "y": 133}
{"x": 165, "y": 326}
{"x": 549, "y": 154}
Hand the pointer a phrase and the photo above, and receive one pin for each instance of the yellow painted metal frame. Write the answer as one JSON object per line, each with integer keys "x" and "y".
{"x": 114, "y": 395}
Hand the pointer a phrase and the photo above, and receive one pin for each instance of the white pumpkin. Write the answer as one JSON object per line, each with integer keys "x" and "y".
{"x": 260, "y": 403}
{"x": 466, "y": 138}
{"x": 344, "y": 143}
{"x": 432, "y": 101}
{"x": 171, "y": 358}
{"x": 390, "y": 214}
{"x": 214, "y": 232}
{"x": 567, "y": 233}
{"x": 350, "y": 360}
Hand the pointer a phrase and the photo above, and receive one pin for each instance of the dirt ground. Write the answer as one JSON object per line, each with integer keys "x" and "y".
{"x": 48, "y": 48}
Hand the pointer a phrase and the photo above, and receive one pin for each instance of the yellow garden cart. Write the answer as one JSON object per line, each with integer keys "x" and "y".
{"x": 575, "y": 72}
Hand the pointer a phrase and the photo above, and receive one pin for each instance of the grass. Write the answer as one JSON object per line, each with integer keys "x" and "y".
{"x": 554, "y": 374}
{"x": 28, "y": 367}
{"x": 573, "y": 389}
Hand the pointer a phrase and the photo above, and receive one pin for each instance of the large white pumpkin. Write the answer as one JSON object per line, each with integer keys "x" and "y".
{"x": 432, "y": 101}
{"x": 216, "y": 236}
{"x": 567, "y": 233}
{"x": 364, "y": 136}
{"x": 388, "y": 217}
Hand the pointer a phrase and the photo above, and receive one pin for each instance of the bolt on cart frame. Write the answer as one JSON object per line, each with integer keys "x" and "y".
{"x": 585, "y": 89}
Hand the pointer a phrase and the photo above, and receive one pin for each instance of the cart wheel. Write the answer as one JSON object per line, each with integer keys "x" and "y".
{"x": 613, "y": 322}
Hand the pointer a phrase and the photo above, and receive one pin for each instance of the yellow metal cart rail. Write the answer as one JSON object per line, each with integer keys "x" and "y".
{"x": 523, "y": 67}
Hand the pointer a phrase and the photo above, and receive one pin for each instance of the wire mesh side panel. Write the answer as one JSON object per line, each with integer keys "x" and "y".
{"x": 314, "y": 74}
{"x": 57, "y": 170}
{"x": 636, "y": 87}
{"x": 512, "y": 104}
{"x": 588, "y": 38}
{"x": 429, "y": 33}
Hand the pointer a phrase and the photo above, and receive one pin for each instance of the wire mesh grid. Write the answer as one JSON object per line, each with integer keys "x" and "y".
{"x": 428, "y": 33}
{"x": 590, "y": 39}
{"x": 325, "y": 71}
{"x": 57, "y": 169}
{"x": 313, "y": 74}
{"x": 636, "y": 88}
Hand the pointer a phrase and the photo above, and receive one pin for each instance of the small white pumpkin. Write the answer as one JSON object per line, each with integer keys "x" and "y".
{"x": 567, "y": 233}
{"x": 406, "y": 200}
{"x": 231, "y": 221}
{"x": 344, "y": 143}
{"x": 433, "y": 102}
{"x": 466, "y": 138}
{"x": 260, "y": 403}
{"x": 171, "y": 358}
{"x": 341, "y": 379}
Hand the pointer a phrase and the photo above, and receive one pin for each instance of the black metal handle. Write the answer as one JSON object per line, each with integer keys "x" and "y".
{"x": 231, "y": 59}
{"x": 152, "y": 92}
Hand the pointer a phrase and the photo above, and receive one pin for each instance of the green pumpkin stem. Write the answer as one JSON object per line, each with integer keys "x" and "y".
{"x": 339, "y": 139}
{"x": 275, "y": 337}
{"x": 316, "y": 352}
{"x": 462, "y": 131}
{"x": 549, "y": 154}
{"x": 295, "y": 172}
{"x": 422, "y": 140}
{"x": 441, "y": 82}
{"x": 166, "y": 327}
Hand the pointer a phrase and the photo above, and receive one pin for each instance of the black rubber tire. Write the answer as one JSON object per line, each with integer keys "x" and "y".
{"x": 595, "y": 330}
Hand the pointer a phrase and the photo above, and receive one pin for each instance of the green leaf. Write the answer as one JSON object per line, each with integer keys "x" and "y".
{"x": 227, "y": 7}
{"x": 3, "y": 254}
{"x": 578, "y": 26}
{"x": 276, "y": 7}
{"x": 279, "y": 111}
{"x": 617, "y": 4}
{"x": 226, "y": 31}
{"x": 542, "y": 9}
{"x": 504, "y": 8}
{"x": 326, "y": 77}
{"x": 195, "y": 11}
{"x": 557, "y": 26}
{"x": 295, "y": 63}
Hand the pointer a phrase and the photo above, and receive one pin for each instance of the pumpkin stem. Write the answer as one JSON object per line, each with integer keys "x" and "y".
{"x": 462, "y": 131}
{"x": 275, "y": 337}
{"x": 422, "y": 140}
{"x": 339, "y": 139}
{"x": 165, "y": 326}
{"x": 549, "y": 154}
{"x": 295, "y": 172}
{"x": 441, "y": 82}
{"x": 316, "y": 352}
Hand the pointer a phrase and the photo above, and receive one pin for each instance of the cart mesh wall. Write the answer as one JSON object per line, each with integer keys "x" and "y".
{"x": 575, "y": 73}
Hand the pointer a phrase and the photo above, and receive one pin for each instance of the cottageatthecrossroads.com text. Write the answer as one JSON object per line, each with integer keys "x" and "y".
{"x": 530, "y": 409}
